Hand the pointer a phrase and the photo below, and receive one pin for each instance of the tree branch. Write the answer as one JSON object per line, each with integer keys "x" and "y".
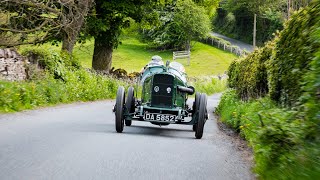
{"x": 34, "y": 4}
{"x": 26, "y": 31}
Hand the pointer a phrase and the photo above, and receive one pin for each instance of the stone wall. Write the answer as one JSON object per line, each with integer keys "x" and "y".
{"x": 12, "y": 65}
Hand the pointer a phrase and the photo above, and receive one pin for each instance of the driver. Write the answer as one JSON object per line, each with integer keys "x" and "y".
{"x": 155, "y": 61}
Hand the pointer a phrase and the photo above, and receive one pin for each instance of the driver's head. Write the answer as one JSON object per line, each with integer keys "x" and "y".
{"x": 157, "y": 60}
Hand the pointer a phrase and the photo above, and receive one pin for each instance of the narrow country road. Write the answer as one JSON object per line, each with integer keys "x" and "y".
{"x": 79, "y": 141}
{"x": 241, "y": 45}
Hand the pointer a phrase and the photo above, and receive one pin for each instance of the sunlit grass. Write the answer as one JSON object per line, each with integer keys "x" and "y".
{"x": 132, "y": 55}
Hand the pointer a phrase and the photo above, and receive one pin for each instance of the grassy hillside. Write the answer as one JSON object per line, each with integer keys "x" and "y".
{"x": 132, "y": 55}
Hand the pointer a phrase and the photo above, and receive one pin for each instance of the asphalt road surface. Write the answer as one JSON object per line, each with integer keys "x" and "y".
{"x": 241, "y": 45}
{"x": 79, "y": 141}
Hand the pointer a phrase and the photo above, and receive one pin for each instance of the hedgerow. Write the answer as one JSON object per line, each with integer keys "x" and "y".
{"x": 294, "y": 50}
{"x": 249, "y": 75}
{"x": 275, "y": 101}
{"x": 278, "y": 68}
{"x": 285, "y": 144}
{"x": 61, "y": 81}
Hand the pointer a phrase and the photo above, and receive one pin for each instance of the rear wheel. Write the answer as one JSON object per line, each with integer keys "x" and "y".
{"x": 119, "y": 109}
{"x": 195, "y": 107}
{"x": 130, "y": 104}
{"x": 201, "y": 116}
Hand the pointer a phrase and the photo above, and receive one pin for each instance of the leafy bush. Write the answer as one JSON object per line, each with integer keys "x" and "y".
{"x": 283, "y": 141}
{"x": 279, "y": 66}
{"x": 179, "y": 24}
{"x": 286, "y": 141}
{"x": 224, "y": 22}
{"x": 248, "y": 76}
{"x": 54, "y": 62}
{"x": 62, "y": 81}
{"x": 294, "y": 49}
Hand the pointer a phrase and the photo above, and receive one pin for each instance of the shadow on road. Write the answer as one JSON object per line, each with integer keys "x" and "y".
{"x": 159, "y": 132}
{"x": 138, "y": 130}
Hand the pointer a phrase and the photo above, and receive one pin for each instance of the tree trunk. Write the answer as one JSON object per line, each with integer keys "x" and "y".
{"x": 69, "y": 40}
{"x": 75, "y": 14}
{"x": 102, "y": 55}
{"x": 188, "y": 45}
{"x": 288, "y": 8}
{"x": 254, "y": 30}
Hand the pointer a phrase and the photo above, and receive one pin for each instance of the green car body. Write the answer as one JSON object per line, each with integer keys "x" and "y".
{"x": 163, "y": 100}
{"x": 177, "y": 99}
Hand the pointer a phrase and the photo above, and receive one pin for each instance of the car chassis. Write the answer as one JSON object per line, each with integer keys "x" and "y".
{"x": 163, "y": 101}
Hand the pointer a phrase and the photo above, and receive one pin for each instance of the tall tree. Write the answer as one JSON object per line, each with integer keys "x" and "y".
{"x": 179, "y": 23}
{"x": 38, "y": 21}
{"x": 105, "y": 26}
{"x": 75, "y": 13}
{"x": 190, "y": 22}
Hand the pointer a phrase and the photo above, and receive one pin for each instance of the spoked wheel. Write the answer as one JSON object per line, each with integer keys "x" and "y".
{"x": 119, "y": 109}
{"x": 130, "y": 104}
{"x": 195, "y": 107}
{"x": 201, "y": 116}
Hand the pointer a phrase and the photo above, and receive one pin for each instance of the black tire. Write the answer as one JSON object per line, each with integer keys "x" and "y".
{"x": 130, "y": 104}
{"x": 201, "y": 116}
{"x": 195, "y": 107}
{"x": 194, "y": 127}
{"x": 196, "y": 102}
{"x": 119, "y": 109}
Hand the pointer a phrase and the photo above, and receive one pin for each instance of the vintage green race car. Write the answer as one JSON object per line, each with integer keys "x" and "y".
{"x": 163, "y": 100}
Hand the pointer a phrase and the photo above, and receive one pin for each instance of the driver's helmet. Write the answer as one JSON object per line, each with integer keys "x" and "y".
{"x": 156, "y": 61}
{"x": 177, "y": 66}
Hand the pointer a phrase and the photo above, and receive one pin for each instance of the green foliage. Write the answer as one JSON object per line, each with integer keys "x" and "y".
{"x": 191, "y": 21}
{"x": 179, "y": 24}
{"x": 294, "y": 50}
{"x": 235, "y": 19}
{"x": 220, "y": 40}
{"x": 257, "y": 6}
{"x": 110, "y": 17}
{"x": 227, "y": 108}
{"x": 208, "y": 85}
{"x": 62, "y": 81}
{"x": 224, "y": 21}
{"x": 280, "y": 65}
{"x": 132, "y": 55}
{"x": 311, "y": 89}
{"x": 209, "y": 5}
{"x": 248, "y": 76}
{"x": 55, "y": 63}
{"x": 283, "y": 140}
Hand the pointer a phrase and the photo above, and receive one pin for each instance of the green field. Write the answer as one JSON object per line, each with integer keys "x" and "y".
{"x": 132, "y": 55}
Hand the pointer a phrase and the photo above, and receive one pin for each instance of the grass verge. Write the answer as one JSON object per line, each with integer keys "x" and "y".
{"x": 279, "y": 137}
{"x": 209, "y": 85}
{"x": 63, "y": 81}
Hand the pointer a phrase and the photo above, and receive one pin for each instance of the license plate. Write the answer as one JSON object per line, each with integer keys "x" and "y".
{"x": 159, "y": 117}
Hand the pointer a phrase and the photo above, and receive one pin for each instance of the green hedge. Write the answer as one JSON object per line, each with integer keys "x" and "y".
{"x": 283, "y": 127}
{"x": 294, "y": 49}
{"x": 249, "y": 74}
{"x": 61, "y": 81}
{"x": 285, "y": 144}
{"x": 279, "y": 67}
